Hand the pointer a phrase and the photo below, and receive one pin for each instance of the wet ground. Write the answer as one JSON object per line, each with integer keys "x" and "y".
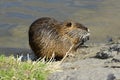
{"x": 99, "y": 62}
{"x": 94, "y": 62}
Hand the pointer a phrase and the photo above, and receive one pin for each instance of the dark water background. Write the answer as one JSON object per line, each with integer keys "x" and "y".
{"x": 101, "y": 16}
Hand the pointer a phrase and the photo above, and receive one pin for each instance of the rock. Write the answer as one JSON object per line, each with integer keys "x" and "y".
{"x": 103, "y": 55}
{"x": 116, "y": 58}
{"x": 112, "y": 51}
{"x": 115, "y": 47}
{"x": 111, "y": 77}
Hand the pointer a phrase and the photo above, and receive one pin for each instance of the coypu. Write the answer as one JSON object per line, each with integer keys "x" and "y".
{"x": 48, "y": 36}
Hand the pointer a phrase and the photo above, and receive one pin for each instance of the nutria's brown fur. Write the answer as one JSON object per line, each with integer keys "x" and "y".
{"x": 48, "y": 36}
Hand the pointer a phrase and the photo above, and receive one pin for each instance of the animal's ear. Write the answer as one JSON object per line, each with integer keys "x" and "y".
{"x": 68, "y": 24}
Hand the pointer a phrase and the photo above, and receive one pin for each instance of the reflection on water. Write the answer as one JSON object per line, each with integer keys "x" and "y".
{"x": 101, "y": 16}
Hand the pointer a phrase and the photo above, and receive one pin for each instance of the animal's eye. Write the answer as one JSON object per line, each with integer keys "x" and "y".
{"x": 69, "y": 24}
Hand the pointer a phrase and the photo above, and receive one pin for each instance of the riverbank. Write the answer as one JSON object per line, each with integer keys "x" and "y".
{"x": 98, "y": 62}
{"x": 91, "y": 62}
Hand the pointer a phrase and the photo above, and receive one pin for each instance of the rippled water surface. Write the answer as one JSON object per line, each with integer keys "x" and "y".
{"x": 101, "y": 16}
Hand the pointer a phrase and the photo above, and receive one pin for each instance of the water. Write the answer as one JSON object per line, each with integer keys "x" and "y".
{"x": 101, "y": 16}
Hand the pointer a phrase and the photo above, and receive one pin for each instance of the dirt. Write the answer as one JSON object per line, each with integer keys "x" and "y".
{"x": 91, "y": 62}
{"x": 98, "y": 62}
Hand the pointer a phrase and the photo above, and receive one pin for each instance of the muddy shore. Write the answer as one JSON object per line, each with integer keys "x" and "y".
{"x": 91, "y": 62}
{"x": 98, "y": 62}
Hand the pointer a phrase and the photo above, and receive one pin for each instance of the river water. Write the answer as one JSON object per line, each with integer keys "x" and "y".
{"x": 102, "y": 17}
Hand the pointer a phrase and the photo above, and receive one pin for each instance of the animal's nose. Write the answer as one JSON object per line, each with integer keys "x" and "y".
{"x": 87, "y": 37}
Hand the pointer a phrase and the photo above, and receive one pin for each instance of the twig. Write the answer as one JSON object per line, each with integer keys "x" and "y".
{"x": 66, "y": 54}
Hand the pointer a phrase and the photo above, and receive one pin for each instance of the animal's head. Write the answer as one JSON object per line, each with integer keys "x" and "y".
{"x": 76, "y": 32}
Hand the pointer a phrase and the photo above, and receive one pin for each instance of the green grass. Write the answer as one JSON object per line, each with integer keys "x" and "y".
{"x": 12, "y": 69}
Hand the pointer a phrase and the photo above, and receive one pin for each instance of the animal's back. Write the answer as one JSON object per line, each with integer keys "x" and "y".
{"x": 43, "y": 37}
{"x": 48, "y": 36}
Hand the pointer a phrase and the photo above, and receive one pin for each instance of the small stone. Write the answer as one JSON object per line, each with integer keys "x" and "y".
{"x": 111, "y": 77}
{"x": 103, "y": 55}
{"x": 115, "y": 60}
{"x": 115, "y": 47}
